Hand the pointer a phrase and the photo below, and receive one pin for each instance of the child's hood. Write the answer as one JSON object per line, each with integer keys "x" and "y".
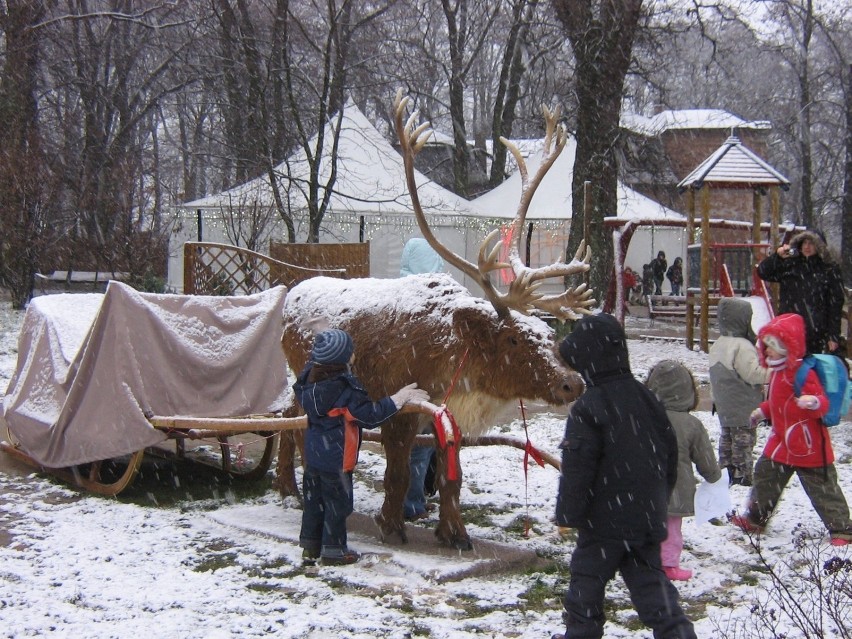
{"x": 790, "y": 329}
{"x": 673, "y": 385}
{"x": 734, "y": 316}
{"x": 596, "y": 348}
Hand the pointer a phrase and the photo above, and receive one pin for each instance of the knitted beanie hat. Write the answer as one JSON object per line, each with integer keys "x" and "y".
{"x": 332, "y": 346}
{"x": 775, "y": 344}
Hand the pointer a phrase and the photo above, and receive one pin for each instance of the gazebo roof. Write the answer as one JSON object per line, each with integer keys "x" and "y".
{"x": 734, "y": 165}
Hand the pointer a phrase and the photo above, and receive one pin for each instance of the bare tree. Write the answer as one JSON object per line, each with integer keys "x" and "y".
{"x": 110, "y": 67}
{"x": 318, "y": 56}
{"x": 24, "y": 190}
{"x": 508, "y": 92}
{"x": 467, "y": 34}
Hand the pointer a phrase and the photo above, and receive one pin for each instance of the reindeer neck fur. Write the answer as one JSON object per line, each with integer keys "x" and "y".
{"x": 476, "y": 411}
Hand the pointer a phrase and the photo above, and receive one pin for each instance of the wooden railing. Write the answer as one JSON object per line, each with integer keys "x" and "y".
{"x": 221, "y": 269}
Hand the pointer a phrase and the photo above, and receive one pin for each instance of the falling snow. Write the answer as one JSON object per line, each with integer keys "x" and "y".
{"x": 218, "y": 565}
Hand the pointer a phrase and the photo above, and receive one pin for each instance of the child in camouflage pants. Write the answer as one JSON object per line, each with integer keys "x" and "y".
{"x": 736, "y": 383}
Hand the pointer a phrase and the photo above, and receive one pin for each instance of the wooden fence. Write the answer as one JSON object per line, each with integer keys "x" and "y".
{"x": 221, "y": 269}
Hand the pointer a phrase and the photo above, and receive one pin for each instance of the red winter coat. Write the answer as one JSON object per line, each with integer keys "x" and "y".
{"x": 798, "y": 437}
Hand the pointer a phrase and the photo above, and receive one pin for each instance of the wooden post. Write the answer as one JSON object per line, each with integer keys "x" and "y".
{"x": 705, "y": 268}
{"x": 775, "y": 218}
{"x": 587, "y": 216}
{"x": 775, "y": 212}
{"x": 690, "y": 239}
{"x": 757, "y": 219}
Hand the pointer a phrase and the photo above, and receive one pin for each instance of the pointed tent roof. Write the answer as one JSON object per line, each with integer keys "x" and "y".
{"x": 370, "y": 178}
{"x": 553, "y": 198}
{"x": 734, "y": 165}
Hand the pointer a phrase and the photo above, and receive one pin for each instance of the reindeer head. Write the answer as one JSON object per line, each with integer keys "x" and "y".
{"x": 523, "y": 294}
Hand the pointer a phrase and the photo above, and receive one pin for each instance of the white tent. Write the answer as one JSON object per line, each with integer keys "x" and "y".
{"x": 550, "y": 211}
{"x": 369, "y": 197}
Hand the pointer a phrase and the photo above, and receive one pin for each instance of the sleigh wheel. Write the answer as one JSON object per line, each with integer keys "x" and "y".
{"x": 108, "y": 477}
{"x": 242, "y": 457}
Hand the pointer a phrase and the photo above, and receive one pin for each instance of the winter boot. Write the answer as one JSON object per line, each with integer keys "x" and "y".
{"x": 676, "y": 573}
{"x": 746, "y": 525}
{"x": 347, "y": 558}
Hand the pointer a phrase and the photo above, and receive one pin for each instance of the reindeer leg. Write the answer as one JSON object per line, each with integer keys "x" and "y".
{"x": 450, "y": 528}
{"x": 397, "y": 439}
{"x": 285, "y": 468}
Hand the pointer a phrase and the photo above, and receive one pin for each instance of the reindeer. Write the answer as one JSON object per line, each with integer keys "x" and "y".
{"x": 477, "y": 356}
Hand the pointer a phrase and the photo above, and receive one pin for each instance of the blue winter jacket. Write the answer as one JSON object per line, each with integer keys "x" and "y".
{"x": 337, "y": 409}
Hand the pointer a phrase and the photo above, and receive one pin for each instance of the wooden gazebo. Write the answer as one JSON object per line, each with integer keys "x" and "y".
{"x": 731, "y": 166}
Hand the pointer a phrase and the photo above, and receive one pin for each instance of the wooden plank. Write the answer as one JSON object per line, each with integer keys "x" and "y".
{"x": 255, "y": 423}
{"x": 230, "y": 424}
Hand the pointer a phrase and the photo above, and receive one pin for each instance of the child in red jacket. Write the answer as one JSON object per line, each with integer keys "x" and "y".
{"x": 799, "y": 443}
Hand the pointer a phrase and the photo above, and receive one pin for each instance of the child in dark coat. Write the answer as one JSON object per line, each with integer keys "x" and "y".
{"x": 674, "y": 386}
{"x": 338, "y": 408}
{"x": 619, "y": 466}
{"x": 675, "y": 275}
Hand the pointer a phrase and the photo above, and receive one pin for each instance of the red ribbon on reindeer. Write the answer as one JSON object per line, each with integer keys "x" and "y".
{"x": 444, "y": 422}
{"x": 448, "y": 441}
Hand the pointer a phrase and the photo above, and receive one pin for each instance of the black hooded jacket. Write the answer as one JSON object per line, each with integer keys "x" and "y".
{"x": 619, "y": 454}
{"x": 811, "y": 287}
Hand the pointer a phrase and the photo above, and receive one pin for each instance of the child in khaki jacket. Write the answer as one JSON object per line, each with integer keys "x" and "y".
{"x": 675, "y": 387}
{"x": 736, "y": 383}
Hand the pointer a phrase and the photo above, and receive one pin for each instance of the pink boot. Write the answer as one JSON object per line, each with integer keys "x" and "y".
{"x": 676, "y": 573}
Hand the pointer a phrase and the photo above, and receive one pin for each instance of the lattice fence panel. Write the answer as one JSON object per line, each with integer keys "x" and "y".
{"x": 222, "y": 269}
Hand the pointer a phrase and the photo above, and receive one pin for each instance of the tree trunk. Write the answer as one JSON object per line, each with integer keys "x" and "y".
{"x": 21, "y": 163}
{"x": 846, "y": 211}
{"x": 460, "y": 154}
{"x": 805, "y": 114}
{"x": 602, "y": 45}
{"x": 509, "y": 88}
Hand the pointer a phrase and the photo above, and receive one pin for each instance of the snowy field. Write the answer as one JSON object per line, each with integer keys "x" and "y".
{"x": 209, "y": 566}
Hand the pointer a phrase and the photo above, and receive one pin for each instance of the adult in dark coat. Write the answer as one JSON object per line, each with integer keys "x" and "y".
{"x": 811, "y": 286}
{"x": 619, "y": 466}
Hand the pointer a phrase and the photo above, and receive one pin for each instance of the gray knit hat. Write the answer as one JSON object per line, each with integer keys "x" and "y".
{"x": 332, "y": 346}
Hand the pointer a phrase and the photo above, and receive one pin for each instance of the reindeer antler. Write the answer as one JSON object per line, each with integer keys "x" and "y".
{"x": 522, "y": 295}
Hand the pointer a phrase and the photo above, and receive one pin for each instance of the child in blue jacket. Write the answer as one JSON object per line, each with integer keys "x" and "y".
{"x": 338, "y": 408}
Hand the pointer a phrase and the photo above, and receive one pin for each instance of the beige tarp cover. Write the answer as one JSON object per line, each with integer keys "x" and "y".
{"x": 91, "y": 366}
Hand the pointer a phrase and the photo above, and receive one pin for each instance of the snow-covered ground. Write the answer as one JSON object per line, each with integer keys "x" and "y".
{"x": 76, "y": 565}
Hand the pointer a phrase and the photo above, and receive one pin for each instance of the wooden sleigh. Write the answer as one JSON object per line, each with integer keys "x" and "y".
{"x": 104, "y": 379}
{"x": 246, "y": 448}
{"x": 109, "y": 477}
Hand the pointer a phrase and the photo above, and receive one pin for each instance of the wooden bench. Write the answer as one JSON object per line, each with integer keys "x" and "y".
{"x": 76, "y": 280}
{"x": 666, "y": 306}
{"x": 671, "y": 306}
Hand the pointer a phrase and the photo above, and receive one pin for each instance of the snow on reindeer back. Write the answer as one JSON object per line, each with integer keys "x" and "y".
{"x": 433, "y": 296}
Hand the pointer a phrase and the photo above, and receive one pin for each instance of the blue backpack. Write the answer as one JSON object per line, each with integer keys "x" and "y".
{"x": 834, "y": 377}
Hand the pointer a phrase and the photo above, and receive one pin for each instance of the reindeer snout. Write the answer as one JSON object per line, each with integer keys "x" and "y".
{"x": 571, "y": 388}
